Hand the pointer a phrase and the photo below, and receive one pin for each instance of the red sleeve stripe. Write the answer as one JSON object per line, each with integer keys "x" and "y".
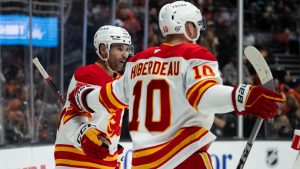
{"x": 154, "y": 157}
{"x": 105, "y": 104}
{"x": 196, "y": 86}
{"x": 198, "y": 96}
{"x": 113, "y": 97}
{"x": 109, "y": 100}
{"x": 195, "y": 93}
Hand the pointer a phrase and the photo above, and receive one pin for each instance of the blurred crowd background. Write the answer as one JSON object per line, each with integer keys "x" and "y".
{"x": 29, "y": 111}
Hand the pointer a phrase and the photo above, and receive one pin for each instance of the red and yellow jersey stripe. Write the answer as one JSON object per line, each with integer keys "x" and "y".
{"x": 195, "y": 93}
{"x": 206, "y": 160}
{"x": 156, "y": 156}
{"x": 108, "y": 98}
{"x": 68, "y": 113}
{"x": 67, "y": 155}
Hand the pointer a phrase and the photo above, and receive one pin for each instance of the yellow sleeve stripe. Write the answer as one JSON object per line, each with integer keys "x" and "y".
{"x": 200, "y": 94}
{"x": 67, "y": 117}
{"x": 104, "y": 103}
{"x": 112, "y": 98}
{"x": 196, "y": 86}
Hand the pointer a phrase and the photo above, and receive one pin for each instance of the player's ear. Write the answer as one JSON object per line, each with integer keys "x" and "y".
{"x": 103, "y": 50}
{"x": 190, "y": 29}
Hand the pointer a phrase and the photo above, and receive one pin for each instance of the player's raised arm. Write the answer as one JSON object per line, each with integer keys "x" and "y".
{"x": 206, "y": 93}
{"x": 90, "y": 98}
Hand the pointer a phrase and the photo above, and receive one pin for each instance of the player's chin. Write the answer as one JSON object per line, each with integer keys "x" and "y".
{"x": 120, "y": 66}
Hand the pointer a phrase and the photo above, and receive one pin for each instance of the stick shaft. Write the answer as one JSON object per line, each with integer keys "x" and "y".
{"x": 254, "y": 132}
{"x": 55, "y": 91}
{"x": 48, "y": 79}
{"x": 249, "y": 144}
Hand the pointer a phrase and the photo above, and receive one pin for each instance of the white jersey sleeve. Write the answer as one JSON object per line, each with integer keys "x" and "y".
{"x": 204, "y": 88}
{"x": 111, "y": 98}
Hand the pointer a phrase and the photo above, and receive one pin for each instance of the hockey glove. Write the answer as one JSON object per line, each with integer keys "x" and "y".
{"x": 77, "y": 97}
{"x": 255, "y": 100}
{"x": 93, "y": 142}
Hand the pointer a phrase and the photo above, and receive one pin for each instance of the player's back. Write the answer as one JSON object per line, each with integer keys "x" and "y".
{"x": 164, "y": 125}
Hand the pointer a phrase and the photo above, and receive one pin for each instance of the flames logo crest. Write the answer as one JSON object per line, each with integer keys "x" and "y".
{"x": 114, "y": 125}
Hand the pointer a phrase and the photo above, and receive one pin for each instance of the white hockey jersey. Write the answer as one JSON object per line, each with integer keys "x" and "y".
{"x": 68, "y": 153}
{"x": 171, "y": 110}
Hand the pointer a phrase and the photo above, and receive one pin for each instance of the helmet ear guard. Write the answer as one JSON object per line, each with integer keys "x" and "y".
{"x": 108, "y": 35}
{"x": 103, "y": 47}
{"x": 173, "y": 16}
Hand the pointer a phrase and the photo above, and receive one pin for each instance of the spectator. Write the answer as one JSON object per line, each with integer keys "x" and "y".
{"x": 129, "y": 21}
{"x": 230, "y": 73}
{"x": 283, "y": 126}
{"x": 249, "y": 38}
{"x": 128, "y": 18}
{"x": 211, "y": 42}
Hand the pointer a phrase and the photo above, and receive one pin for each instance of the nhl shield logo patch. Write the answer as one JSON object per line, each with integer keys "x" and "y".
{"x": 272, "y": 157}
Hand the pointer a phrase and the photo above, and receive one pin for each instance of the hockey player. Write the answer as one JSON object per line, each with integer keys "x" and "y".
{"x": 173, "y": 91}
{"x": 86, "y": 151}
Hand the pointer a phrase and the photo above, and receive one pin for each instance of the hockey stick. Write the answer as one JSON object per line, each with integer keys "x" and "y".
{"x": 265, "y": 76}
{"x": 47, "y": 78}
{"x": 296, "y": 162}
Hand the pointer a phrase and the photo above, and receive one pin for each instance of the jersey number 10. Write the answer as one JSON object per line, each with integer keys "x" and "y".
{"x": 164, "y": 122}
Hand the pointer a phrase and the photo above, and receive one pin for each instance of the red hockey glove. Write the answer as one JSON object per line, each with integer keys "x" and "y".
{"x": 255, "y": 100}
{"x": 77, "y": 97}
{"x": 93, "y": 142}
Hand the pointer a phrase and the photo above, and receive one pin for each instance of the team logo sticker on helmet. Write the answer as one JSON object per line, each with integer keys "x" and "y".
{"x": 165, "y": 29}
{"x": 177, "y": 28}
